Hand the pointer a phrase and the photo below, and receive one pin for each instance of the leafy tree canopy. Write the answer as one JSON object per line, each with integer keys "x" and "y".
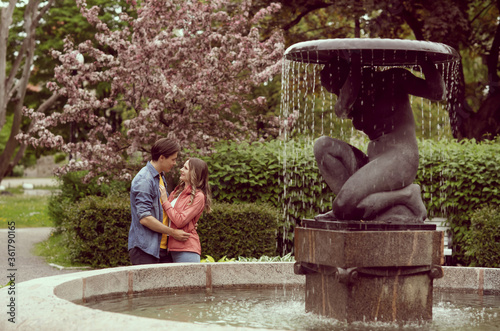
{"x": 175, "y": 68}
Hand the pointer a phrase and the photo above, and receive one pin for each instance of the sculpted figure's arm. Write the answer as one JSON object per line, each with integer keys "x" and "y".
{"x": 350, "y": 90}
{"x": 432, "y": 88}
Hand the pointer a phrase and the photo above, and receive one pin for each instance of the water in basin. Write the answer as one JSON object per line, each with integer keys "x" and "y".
{"x": 284, "y": 309}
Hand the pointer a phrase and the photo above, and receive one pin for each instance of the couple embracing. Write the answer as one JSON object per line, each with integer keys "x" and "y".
{"x": 163, "y": 227}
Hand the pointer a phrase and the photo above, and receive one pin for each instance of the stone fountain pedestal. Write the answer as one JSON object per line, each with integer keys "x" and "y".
{"x": 369, "y": 271}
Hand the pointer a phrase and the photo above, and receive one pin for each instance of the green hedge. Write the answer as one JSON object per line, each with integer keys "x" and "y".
{"x": 258, "y": 173}
{"x": 233, "y": 230}
{"x": 96, "y": 231}
{"x": 456, "y": 179}
{"x": 73, "y": 189}
{"x": 482, "y": 242}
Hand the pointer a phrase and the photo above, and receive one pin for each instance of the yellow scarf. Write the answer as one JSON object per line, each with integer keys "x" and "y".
{"x": 164, "y": 237}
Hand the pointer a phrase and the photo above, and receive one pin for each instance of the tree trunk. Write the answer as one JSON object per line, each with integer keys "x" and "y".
{"x": 6, "y": 21}
{"x": 6, "y": 161}
{"x": 31, "y": 18}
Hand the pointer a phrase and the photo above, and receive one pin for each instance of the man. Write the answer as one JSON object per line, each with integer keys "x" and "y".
{"x": 147, "y": 224}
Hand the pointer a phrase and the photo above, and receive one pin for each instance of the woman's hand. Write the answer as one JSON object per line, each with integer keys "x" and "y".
{"x": 163, "y": 194}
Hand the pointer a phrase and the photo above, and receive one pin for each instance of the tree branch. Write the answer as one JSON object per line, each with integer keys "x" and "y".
{"x": 312, "y": 8}
{"x": 48, "y": 103}
{"x": 30, "y": 23}
{"x": 30, "y": 28}
{"x": 414, "y": 24}
{"x": 481, "y": 12}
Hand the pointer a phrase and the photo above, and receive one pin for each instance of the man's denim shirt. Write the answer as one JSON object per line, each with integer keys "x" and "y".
{"x": 145, "y": 201}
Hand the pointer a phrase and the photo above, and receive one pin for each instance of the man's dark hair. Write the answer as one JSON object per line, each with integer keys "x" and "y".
{"x": 165, "y": 147}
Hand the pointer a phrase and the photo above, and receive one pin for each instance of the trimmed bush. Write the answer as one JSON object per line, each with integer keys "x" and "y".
{"x": 482, "y": 242}
{"x": 96, "y": 231}
{"x": 257, "y": 173}
{"x": 456, "y": 178}
{"x": 73, "y": 189}
{"x": 233, "y": 230}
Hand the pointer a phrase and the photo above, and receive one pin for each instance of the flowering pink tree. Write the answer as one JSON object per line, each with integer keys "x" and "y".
{"x": 183, "y": 69}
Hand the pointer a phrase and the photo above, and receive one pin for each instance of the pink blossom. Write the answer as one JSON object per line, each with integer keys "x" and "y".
{"x": 178, "y": 69}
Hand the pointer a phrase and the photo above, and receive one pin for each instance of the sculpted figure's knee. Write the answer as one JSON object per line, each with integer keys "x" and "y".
{"x": 336, "y": 161}
{"x": 400, "y": 205}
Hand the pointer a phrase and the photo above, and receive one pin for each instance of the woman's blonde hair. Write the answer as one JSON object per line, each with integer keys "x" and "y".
{"x": 198, "y": 177}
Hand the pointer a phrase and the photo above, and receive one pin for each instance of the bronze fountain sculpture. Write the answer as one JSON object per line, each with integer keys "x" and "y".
{"x": 372, "y": 257}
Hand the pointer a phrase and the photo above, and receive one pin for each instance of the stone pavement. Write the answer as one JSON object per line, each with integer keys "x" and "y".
{"x": 27, "y": 266}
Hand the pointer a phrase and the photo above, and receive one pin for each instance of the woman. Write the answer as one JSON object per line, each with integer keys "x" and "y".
{"x": 184, "y": 207}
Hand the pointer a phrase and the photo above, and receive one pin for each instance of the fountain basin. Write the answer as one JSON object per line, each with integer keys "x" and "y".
{"x": 374, "y": 51}
{"x": 49, "y": 302}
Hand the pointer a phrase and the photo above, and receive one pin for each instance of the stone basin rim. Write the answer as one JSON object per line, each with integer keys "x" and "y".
{"x": 45, "y": 303}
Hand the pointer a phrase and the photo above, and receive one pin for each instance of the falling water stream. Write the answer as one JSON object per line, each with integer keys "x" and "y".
{"x": 307, "y": 111}
{"x": 284, "y": 309}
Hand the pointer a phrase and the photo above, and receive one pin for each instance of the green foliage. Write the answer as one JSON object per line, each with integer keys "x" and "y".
{"x": 65, "y": 21}
{"x": 210, "y": 259}
{"x": 286, "y": 258}
{"x": 257, "y": 173}
{"x": 5, "y": 131}
{"x": 261, "y": 195}
{"x": 96, "y": 231}
{"x": 59, "y": 157}
{"x": 73, "y": 189}
{"x": 457, "y": 179}
{"x": 232, "y": 230}
{"x": 245, "y": 173}
{"x": 482, "y": 242}
{"x": 53, "y": 249}
{"x": 18, "y": 171}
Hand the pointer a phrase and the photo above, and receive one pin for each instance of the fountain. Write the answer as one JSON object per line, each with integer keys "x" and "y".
{"x": 372, "y": 258}
{"x": 403, "y": 266}
{"x": 54, "y": 303}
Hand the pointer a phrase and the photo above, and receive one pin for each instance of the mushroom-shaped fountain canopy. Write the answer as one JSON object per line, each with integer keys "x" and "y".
{"x": 374, "y": 52}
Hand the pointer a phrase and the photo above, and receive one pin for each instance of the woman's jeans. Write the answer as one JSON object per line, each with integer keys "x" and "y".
{"x": 189, "y": 257}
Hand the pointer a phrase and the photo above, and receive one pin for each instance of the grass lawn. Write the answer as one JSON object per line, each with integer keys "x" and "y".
{"x": 27, "y": 211}
{"x": 53, "y": 250}
{"x": 30, "y": 211}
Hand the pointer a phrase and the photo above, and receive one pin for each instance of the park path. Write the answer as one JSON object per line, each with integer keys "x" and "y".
{"x": 27, "y": 266}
